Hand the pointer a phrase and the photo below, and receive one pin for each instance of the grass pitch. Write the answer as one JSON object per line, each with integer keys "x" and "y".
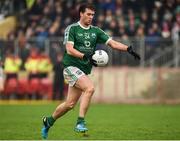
{"x": 105, "y": 122}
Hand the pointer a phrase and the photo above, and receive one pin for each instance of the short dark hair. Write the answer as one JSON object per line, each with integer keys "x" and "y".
{"x": 83, "y": 7}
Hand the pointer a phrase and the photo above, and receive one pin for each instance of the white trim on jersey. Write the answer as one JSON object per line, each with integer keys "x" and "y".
{"x": 71, "y": 42}
{"x": 66, "y": 36}
{"x": 83, "y": 26}
{"x": 108, "y": 40}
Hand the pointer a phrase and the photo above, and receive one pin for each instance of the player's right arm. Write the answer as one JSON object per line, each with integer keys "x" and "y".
{"x": 69, "y": 43}
{"x": 72, "y": 51}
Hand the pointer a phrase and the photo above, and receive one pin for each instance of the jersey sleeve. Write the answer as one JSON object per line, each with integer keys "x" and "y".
{"x": 102, "y": 38}
{"x": 68, "y": 35}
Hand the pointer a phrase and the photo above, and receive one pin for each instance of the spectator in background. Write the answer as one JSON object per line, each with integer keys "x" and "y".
{"x": 165, "y": 30}
{"x": 22, "y": 45}
{"x": 58, "y": 83}
{"x": 30, "y": 30}
{"x": 113, "y": 28}
{"x": 31, "y": 66}
{"x": 108, "y": 17}
{"x": 152, "y": 39}
{"x": 53, "y": 30}
{"x": 133, "y": 22}
{"x": 175, "y": 32}
{"x": 121, "y": 27}
{"x": 44, "y": 68}
{"x": 176, "y": 26}
{"x": 12, "y": 66}
{"x": 10, "y": 41}
{"x": 100, "y": 21}
{"x": 21, "y": 39}
{"x": 42, "y": 35}
{"x": 44, "y": 65}
{"x": 140, "y": 31}
{"x": 144, "y": 20}
{"x": 119, "y": 6}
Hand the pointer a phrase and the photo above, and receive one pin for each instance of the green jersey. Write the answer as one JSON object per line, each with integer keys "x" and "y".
{"x": 85, "y": 41}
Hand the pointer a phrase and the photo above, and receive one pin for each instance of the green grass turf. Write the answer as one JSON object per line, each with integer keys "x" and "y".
{"x": 105, "y": 121}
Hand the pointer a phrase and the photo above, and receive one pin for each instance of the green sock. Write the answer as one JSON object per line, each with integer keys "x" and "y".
{"x": 80, "y": 119}
{"x": 51, "y": 120}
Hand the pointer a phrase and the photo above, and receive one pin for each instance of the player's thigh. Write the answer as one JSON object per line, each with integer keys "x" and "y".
{"x": 72, "y": 74}
{"x": 73, "y": 94}
{"x": 77, "y": 78}
{"x": 84, "y": 83}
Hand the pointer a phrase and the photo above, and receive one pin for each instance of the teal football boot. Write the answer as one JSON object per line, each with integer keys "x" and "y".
{"x": 45, "y": 129}
{"x": 81, "y": 127}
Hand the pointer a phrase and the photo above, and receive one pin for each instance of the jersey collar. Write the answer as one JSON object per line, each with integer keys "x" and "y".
{"x": 83, "y": 26}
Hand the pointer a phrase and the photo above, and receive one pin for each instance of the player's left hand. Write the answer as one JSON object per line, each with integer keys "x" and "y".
{"x": 133, "y": 53}
{"x": 91, "y": 60}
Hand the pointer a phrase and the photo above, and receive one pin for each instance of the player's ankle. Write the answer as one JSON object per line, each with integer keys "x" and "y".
{"x": 80, "y": 120}
{"x": 51, "y": 120}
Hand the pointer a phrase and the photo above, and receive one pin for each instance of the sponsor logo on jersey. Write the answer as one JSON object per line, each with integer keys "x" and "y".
{"x": 87, "y": 43}
{"x": 80, "y": 34}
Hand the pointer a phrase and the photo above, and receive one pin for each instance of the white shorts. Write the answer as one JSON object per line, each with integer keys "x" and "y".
{"x": 72, "y": 74}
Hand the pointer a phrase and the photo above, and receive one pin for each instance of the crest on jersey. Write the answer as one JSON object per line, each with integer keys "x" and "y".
{"x": 93, "y": 35}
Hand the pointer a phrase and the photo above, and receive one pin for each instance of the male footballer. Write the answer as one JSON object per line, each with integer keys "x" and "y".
{"x": 80, "y": 40}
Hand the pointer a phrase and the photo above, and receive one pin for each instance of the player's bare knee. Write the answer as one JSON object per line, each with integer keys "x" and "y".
{"x": 90, "y": 90}
{"x": 70, "y": 105}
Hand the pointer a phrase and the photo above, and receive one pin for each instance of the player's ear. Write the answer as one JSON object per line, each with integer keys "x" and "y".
{"x": 81, "y": 14}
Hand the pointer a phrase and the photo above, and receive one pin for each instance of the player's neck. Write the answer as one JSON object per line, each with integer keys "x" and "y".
{"x": 83, "y": 25}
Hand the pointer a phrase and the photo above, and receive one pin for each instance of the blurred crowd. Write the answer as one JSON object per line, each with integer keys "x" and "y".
{"x": 122, "y": 18}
